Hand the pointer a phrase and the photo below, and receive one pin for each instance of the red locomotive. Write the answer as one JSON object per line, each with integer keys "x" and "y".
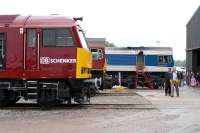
{"x": 97, "y": 48}
{"x": 44, "y": 58}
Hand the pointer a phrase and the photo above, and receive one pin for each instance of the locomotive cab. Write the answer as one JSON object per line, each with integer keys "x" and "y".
{"x": 97, "y": 48}
{"x": 44, "y": 58}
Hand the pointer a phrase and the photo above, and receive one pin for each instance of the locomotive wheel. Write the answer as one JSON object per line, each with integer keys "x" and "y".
{"x": 13, "y": 97}
{"x": 131, "y": 86}
{"x": 102, "y": 86}
{"x": 8, "y": 97}
{"x": 155, "y": 86}
{"x": 69, "y": 99}
{"x": 92, "y": 91}
{"x": 47, "y": 97}
{"x": 3, "y": 97}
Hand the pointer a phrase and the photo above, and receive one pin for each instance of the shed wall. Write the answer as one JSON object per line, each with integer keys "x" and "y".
{"x": 193, "y": 43}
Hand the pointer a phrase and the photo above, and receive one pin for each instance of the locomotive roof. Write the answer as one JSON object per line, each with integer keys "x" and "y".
{"x": 35, "y": 21}
{"x": 96, "y": 42}
{"x": 139, "y": 48}
{"x": 96, "y": 39}
{"x": 136, "y": 50}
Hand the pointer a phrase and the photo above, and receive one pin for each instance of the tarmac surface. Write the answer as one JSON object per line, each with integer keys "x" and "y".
{"x": 152, "y": 113}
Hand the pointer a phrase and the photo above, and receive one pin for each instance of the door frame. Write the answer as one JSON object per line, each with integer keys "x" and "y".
{"x": 37, "y": 47}
{"x": 143, "y": 57}
{"x": 4, "y": 49}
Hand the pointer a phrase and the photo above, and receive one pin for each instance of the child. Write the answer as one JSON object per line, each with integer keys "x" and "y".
{"x": 193, "y": 81}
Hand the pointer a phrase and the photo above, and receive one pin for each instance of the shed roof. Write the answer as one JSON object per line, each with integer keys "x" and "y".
{"x": 194, "y": 16}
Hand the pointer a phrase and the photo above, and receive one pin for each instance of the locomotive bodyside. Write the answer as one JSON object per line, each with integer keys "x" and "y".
{"x": 123, "y": 62}
{"x": 44, "y": 58}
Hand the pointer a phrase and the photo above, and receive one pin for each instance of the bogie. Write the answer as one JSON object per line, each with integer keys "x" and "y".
{"x": 46, "y": 93}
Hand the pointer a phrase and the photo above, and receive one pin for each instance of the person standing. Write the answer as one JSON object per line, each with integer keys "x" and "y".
{"x": 193, "y": 81}
{"x": 188, "y": 77}
{"x": 182, "y": 79}
{"x": 198, "y": 79}
{"x": 168, "y": 77}
{"x": 175, "y": 84}
{"x": 179, "y": 77}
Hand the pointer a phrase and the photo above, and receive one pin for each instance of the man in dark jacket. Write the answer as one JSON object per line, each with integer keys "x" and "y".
{"x": 168, "y": 77}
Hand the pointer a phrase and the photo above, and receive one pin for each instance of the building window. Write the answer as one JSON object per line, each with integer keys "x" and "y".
{"x": 164, "y": 59}
{"x": 58, "y": 37}
{"x": 31, "y": 38}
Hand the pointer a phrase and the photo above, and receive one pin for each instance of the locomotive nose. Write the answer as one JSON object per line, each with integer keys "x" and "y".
{"x": 84, "y": 63}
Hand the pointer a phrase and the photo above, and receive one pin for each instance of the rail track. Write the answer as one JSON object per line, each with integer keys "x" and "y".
{"x": 117, "y": 94}
{"x": 34, "y": 106}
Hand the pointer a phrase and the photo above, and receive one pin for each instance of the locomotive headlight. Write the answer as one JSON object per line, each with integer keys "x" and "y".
{"x": 84, "y": 70}
{"x": 88, "y": 71}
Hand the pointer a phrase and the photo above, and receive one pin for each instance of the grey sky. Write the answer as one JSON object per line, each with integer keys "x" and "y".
{"x": 123, "y": 22}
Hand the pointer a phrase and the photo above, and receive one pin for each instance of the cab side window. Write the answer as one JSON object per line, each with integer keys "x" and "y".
{"x": 31, "y": 38}
{"x": 94, "y": 54}
{"x": 100, "y": 54}
{"x": 164, "y": 59}
{"x": 57, "y": 37}
{"x": 97, "y": 54}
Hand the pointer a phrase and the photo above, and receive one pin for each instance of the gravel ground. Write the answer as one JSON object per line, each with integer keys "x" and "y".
{"x": 173, "y": 115}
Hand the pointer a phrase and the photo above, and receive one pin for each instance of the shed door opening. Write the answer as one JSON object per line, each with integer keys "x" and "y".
{"x": 2, "y": 50}
{"x": 140, "y": 58}
{"x": 32, "y": 49}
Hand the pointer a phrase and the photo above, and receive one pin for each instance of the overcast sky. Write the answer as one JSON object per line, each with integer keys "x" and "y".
{"x": 123, "y": 22}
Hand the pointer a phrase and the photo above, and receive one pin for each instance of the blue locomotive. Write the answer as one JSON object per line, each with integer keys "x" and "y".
{"x": 124, "y": 64}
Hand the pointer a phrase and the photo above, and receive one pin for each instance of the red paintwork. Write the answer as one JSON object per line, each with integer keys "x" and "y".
{"x": 11, "y": 24}
{"x": 97, "y": 64}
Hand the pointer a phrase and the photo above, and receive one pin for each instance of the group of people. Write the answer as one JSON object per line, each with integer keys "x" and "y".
{"x": 174, "y": 79}
{"x": 172, "y": 83}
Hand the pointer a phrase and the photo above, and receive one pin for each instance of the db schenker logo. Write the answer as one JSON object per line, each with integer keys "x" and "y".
{"x": 48, "y": 60}
{"x": 45, "y": 60}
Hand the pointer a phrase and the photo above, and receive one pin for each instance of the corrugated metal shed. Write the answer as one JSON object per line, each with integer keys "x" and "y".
{"x": 193, "y": 43}
{"x": 193, "y": 31}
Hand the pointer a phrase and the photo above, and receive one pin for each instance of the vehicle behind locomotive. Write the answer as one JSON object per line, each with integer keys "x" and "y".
{"x": 98, "y": 71}
{"x": 45, "y": 58}
{"x": 122, "y": 64}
